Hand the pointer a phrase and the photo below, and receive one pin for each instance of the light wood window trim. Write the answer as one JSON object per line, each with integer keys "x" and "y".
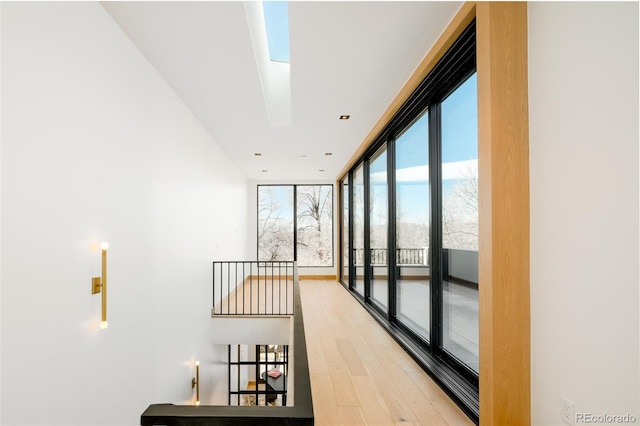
{"x": 503, "y": 162}
{"x": 503, "y": 152}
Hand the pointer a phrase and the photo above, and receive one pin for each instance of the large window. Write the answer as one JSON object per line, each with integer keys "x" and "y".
{"x": 412, "y": 227}
{"x": 258, "y": 375}
{"x": 345, "y": 229}
{"x": 379, "y": 228}
{"x": 275, "y": 223}
{"x": 295, "y": 222}
{"x": 459, "y": 189}
{"x": 413, "y": 221}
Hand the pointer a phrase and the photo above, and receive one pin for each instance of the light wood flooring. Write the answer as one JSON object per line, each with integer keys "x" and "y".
{"x": 259, "y": 295}
{"x": 359, "y": 374}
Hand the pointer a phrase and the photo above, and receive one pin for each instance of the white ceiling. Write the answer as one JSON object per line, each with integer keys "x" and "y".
{"x": 346, "y": 58}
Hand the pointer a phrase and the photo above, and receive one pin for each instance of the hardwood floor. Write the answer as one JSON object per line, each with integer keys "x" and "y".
{"x": 359, "y": 374}
{"x": 259, "y": 295}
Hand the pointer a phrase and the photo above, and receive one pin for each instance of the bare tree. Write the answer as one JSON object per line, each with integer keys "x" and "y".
{"x": 312, "y": 206}
{"x": 412, "y": 224}
{"x": 314, "y": 217}
{"x": 275, "y": 239}
{"x": 460, "y": 211}
{"x": 314, "y": 221}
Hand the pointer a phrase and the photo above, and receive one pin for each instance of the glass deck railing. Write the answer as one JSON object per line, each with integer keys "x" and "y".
{"x": 404, "y": 256}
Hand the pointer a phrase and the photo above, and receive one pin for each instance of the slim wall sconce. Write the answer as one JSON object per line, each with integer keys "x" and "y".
{"x": 99, "y": 285}
{"x": 195, "y": 383}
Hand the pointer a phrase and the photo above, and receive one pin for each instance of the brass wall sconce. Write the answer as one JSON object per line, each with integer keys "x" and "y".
{"x": 195, "y": 383}
{"x": 99, "y": 285}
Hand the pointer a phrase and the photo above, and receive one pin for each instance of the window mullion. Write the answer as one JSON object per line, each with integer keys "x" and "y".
{"x": 295, "y": 223}
{"x": 435, "y": 226}
{"x": 352, "y": 267}
{"x": 367, "y": 233}
{"x": 391, "y": 229}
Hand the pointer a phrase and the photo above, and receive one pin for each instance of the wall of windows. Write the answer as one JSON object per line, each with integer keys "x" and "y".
{"x": 295, "y": 222}
{"x": 410, "y": 221}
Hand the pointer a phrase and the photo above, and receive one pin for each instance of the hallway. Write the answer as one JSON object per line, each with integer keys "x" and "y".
{"x": 359, "y": 374}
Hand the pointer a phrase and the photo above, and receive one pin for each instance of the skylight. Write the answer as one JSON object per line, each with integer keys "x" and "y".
{"x": 273, "y": 65}
{"x": 276, "y": 19}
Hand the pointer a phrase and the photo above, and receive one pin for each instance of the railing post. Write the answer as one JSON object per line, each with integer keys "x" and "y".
{"x": 214, "y": 287}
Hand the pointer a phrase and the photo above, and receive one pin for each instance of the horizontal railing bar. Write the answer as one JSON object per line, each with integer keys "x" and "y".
{"x": 259, "y": 392}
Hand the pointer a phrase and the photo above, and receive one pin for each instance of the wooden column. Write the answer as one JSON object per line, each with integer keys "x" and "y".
{"x": 505, "y": 382}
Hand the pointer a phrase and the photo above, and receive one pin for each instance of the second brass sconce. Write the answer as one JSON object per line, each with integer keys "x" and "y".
{"x": 99, "y": 285}
{"x": 195, "y": 383}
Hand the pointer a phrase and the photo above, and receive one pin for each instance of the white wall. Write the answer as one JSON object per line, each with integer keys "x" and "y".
{"x": 96, "y": 146}
{"x": 249, "y": 330}
{"x": 0, "y": 210}
{"x": 583, "y": 94}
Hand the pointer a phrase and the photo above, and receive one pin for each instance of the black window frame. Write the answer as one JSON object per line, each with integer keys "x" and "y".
{"x": 295, "y": 221}
{"x": 256, "y": 363}
{"x": 451, "y": 71}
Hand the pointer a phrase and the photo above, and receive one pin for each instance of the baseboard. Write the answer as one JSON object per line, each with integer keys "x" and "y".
{"x": 318, "y": 277}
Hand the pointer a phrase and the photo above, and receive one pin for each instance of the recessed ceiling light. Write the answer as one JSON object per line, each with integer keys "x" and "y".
{"x": 344, "y": 117}
{"x": 264, "y": 170}
{"x": 328, "y": 153}
{"x": 303, "y": 157}
{"x": 258, "y": 154}
{"x": 321, "y": 170}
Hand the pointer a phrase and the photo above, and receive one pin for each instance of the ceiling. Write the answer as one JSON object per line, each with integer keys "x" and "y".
{"x": 346, "y": 58}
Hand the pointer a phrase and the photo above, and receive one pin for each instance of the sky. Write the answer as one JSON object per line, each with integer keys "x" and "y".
{"x": 459, "y": 130}
{"x": 459, "y": 151}
{"x": 276, "y": 19}
{"x": 460, "y": 123}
